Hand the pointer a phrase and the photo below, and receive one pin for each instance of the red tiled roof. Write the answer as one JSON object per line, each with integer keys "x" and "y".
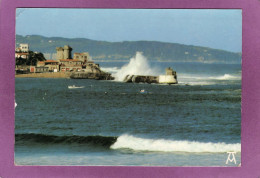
{"x": 22, "y": 53}
{"x": 51, "y": 61}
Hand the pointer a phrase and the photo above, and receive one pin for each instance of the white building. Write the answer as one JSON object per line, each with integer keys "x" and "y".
{"x": 23, "y": 47}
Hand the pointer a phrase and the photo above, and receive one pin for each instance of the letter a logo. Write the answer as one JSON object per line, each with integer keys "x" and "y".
{"x": 229, "y": 157}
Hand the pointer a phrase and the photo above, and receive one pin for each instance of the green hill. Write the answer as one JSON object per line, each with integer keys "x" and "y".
{"x": 112, "y": 51}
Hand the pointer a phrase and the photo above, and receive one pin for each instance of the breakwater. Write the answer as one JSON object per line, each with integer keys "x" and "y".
{"x": 169, "y": 78}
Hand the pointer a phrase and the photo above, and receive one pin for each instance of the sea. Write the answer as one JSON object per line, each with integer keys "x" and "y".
{"x": 196, "y": 122}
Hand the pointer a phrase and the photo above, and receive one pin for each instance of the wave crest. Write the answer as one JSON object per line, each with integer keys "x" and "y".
{"x": 105, "y": 141}
{"x": 227, "y": 77}
{"x": 161, "y": 145}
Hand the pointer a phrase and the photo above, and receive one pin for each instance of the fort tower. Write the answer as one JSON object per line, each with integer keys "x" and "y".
{"x": 67, "y": 52}
{"x": 63, "y": 52}
{"x": 59, "y": 53}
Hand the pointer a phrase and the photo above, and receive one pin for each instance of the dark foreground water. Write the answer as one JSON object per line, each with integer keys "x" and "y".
{"x": 194, "y": 123}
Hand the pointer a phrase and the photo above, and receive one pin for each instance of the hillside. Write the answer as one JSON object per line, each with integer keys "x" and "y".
{"x": 112, "y": 51}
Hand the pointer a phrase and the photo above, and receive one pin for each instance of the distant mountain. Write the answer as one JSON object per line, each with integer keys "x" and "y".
{"x": 115, "y": 51}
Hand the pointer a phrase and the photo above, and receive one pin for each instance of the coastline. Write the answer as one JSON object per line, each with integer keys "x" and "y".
{"x": 44, "y": 75}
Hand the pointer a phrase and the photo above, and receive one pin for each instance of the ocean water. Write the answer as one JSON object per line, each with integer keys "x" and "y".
{"x": 193, "y": 123}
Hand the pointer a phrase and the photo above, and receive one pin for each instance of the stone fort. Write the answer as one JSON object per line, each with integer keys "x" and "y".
{"x": 63, "y": 52}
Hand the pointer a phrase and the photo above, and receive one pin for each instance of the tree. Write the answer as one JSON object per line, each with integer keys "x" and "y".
{"x": 34, "y": 58}
{"x": 20, "y": 61}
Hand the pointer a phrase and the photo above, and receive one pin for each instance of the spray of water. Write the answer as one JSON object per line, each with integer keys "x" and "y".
{"x": 142, "y": 144}
{"x": 138, "y": 65}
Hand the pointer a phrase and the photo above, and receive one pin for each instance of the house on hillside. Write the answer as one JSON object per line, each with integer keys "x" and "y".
{"x": 21, "y": 55}
{"x": 22, "y": 51}
{"x": 23, "y": 48}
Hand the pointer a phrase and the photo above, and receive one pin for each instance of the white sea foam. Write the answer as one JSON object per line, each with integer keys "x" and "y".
{"x": 196, "y": 83}
{"x": 203, "y": 79}
{"x": 162, "y": 145}
{"x": 226, "y": 77}
{"x": 206, "y": 77}
{"x": 138, "y": 65}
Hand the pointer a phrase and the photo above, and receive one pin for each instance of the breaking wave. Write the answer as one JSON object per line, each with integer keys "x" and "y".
{"x": 205, "y": 77}
{"x": 227, "y": 77}
{"x": 197, "y": 79}
{"x": 104, "y": 141}
{"x": 128, "y": 142}
{"x": 138, "y": 65}
{"x": 162, "y": 145}
{"x": 191, "y": 79}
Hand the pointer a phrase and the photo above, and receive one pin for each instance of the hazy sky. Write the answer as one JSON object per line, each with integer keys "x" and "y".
{"x": 220, "y": 29}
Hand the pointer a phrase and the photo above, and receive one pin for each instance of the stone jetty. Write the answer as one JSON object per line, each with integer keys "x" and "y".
{"x": 169, "y": 78}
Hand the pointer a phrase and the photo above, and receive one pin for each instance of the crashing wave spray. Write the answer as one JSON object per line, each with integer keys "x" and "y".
{"x": 138, "y": 65}
{"x": 162, "y": 145}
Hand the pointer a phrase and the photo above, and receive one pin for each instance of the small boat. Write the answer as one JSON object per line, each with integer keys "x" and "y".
{"x": 143, "y": 91}
{"x": 73, "y": 87}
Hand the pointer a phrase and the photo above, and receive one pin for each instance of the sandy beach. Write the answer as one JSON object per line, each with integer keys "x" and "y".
{"x": 44, "y": 75}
